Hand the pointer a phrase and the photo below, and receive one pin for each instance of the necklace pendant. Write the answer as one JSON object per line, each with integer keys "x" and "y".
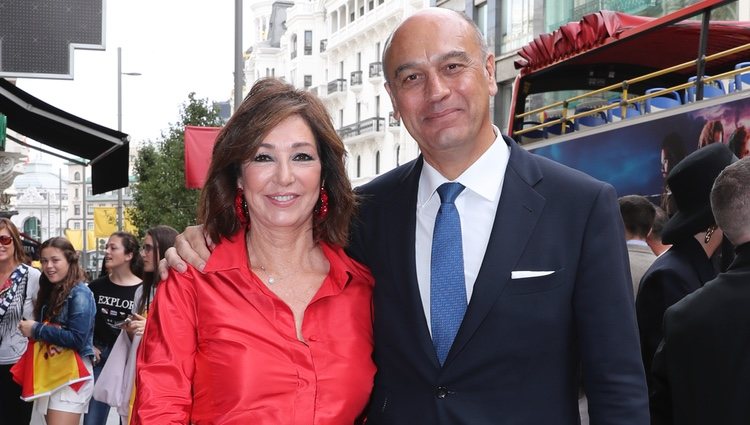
{"x": 271, "y": 280}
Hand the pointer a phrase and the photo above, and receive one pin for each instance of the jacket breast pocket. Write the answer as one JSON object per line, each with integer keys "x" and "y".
{"x": 531, "y": 285}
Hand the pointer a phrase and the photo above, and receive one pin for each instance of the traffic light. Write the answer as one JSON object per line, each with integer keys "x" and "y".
{"x": 101, "y": 244}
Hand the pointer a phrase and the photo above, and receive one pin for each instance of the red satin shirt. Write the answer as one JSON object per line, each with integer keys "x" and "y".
{"x": 220, "y": 348}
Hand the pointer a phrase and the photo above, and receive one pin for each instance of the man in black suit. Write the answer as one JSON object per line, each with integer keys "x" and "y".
{"x": 701, "y": 371}
{"x": 542, "y": 265}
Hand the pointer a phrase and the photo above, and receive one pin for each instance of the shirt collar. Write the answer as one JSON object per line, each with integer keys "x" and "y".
{"x": 231, "y": 253}
{"x": 482, "y": 177}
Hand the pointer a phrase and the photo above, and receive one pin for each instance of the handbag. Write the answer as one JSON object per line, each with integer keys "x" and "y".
{"x": 109, "y": 384}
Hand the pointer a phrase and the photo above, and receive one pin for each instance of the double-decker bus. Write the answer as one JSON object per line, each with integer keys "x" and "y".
{"x": 624, "y": 98}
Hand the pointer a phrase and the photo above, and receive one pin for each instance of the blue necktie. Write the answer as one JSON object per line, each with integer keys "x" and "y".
{"x": 447, "y": 282}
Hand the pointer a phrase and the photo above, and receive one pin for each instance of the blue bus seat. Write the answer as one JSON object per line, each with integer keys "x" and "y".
{"x": 615, "y": 114}
{"x": 667, "y": 100}
{"x": 711, "y": 89}
{"x": 533, "y": 134}
{"x": 742, "y": 80}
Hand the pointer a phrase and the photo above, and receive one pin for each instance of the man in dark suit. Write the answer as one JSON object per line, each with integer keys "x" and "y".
{"x": 541, "y": 265}
{"x": 701, "y": 371}
{"x": 546, "y": 269}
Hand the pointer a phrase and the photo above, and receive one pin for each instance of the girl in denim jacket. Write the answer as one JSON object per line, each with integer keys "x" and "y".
{"x": 66, "y": 306}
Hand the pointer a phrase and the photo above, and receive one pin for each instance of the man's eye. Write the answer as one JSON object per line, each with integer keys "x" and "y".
{"x": 261, "y": 157}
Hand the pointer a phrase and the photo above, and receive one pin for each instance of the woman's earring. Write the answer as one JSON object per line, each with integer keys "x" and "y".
{"x": 321, "y": 210}
{"x": 240, "y": 208}
{"x": 709, "y": 233}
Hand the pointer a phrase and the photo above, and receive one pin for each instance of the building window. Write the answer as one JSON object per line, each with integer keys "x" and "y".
{"x": 308, "y": 43}
{"x": 89, "y": 191}
{"x": 308, "y": 81}
{"x": 377, "y": 162}
{"x": 398, "y": 155}
{"x": 359, "y": 166}
{"x": 480, "y": 17}
{"x": 77, "y": 176}
{"x": 77, "y": 225}
{"x": 90, "y": 225}
{"x": 293, "y": 42}
{"x": 341, "y": 117}
{"x": 76, "y": 210}
{"x": 76, "y": 193}
{"x": 89, "y": 210}
{"x": 33, "y": 227}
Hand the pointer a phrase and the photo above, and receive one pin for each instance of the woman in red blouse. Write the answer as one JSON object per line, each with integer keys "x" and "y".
{"x": 278, "y": 327}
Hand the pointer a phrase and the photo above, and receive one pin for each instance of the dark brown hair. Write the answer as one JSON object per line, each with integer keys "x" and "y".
{"x": 163, "y": 238}
{"x": 130, "y": 246}
{"x": 19, "y": 255}
{"x": 53, "y": 295}
{"x": 270, "y": 102}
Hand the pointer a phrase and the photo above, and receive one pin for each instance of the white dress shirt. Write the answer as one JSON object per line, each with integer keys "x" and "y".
{"x": 483, "y": 181}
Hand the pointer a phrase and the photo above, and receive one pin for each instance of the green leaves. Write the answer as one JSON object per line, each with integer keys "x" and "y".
{"x": 159, "y": 194}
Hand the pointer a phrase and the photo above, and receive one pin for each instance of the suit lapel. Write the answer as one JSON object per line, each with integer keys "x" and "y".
{"x": 402, "y": 218}
{"x": 518, "y": 211}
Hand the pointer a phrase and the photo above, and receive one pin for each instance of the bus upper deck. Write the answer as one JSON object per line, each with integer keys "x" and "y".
{"x": 612, "y": 65}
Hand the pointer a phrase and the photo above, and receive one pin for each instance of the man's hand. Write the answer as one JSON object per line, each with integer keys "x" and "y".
{"x": 191, "y": 246}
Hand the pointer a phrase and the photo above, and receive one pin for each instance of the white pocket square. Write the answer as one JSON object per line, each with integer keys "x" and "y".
{"x": 525, "y": 274}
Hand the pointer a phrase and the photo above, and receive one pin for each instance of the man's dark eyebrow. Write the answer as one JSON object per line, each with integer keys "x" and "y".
{"x": 454, "y": 54}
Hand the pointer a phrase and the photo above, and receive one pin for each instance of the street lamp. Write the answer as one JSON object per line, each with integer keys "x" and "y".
{"x": 119, "y": 128}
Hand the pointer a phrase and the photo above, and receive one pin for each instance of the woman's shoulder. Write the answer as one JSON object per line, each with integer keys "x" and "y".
{"x": 82, "y": 289}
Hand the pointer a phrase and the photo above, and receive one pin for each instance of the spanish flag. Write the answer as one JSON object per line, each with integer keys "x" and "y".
{"x": 45, "y": 368}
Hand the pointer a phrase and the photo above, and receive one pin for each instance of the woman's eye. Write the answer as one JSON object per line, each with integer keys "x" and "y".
{"x": 261, "y": 157}
{"x": 303, "y": 157}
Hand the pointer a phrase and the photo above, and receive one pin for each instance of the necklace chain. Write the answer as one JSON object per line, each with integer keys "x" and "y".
{"x": 271, "y": 279}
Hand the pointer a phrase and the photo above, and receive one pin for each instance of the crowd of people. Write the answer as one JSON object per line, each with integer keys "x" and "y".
{"x": 478, "y": 284}
{"x": 57, "y": 329}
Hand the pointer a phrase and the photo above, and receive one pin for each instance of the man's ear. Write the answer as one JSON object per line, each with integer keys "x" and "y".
{"x": 489, "y": 67}
{"x": 396, "y": 114}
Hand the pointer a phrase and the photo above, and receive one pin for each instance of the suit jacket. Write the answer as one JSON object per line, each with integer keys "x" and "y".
{"x": 641, "y": 258}
{"x": 676, "y": 273}
{"x": 524, "y": 344}
{"x": 701, "y": 372}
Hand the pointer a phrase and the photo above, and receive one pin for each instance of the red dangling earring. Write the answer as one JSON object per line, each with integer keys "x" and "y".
{"x": 321, "y": 210}
{"x": 240, "y": 208}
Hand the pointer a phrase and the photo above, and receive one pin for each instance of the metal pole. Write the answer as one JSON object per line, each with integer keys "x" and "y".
{"x": 83, "y": 220}
{"x": 59, "y": 200}
{"x": 239, "y": 64}
{"x": 49, "y": 220}
{"x": 119, "y": 128}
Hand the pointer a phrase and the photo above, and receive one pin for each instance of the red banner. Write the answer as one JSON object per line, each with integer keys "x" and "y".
{"x": 199, "y": 143}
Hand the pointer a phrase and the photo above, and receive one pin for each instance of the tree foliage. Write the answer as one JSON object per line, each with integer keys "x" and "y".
{"x": 159, "y": 194}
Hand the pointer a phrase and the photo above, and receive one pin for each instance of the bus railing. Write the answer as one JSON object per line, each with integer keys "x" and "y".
{"x": 565, "y": 120}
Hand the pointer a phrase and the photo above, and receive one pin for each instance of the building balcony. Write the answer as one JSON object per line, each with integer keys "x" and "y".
{"x": 336, "y": 89}
{"x": 368, "y": 126}
{"x": 355, "y": 81}
{"x": 376, "y": 69}
{"x": 392, "y": 121}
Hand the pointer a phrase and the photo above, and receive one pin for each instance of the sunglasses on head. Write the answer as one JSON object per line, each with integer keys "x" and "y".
{"x": 5, "y": 240}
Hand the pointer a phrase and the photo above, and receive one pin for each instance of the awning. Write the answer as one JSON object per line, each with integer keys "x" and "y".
{"x": 104, "y": 149}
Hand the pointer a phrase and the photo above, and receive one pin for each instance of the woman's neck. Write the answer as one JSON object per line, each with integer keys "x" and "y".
{"x": 123, "y": 276}
{"x": 7, "y": 267}
{"x": 281, "y": 251}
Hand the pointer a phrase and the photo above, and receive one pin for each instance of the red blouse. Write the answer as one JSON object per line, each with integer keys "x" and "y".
{"x": 220, "y": 348}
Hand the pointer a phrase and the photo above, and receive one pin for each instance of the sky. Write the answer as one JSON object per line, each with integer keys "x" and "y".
{"x": 178, "y": 46}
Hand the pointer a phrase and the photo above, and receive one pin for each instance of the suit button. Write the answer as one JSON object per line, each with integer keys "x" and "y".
{"x": 441, "y": 392}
